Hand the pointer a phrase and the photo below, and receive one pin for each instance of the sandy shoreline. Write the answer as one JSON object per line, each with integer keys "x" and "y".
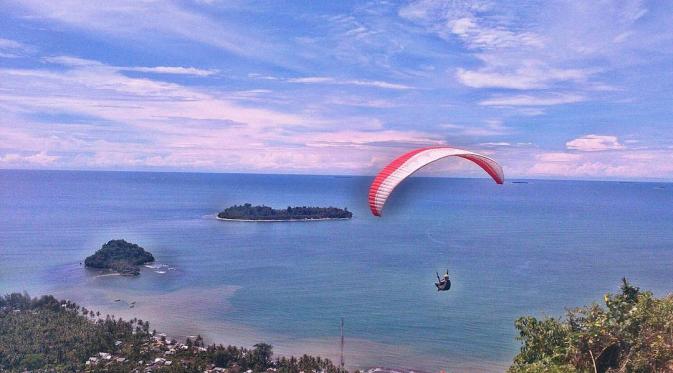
{"x": 177, "y": 315}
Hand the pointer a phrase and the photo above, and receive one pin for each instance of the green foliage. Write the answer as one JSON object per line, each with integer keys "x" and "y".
{"x": 45, "y": 334}
{"x": 224, "y": 357}
{"x": 543, "y": 340}
{"x": 260, "y": 357}
{"x": 632, "y": 332}
{"x": 33, "y": 361}
{"x": 249, "y": 212}
{"x": 120, "y": 256}
{"x": 306, "y": 363}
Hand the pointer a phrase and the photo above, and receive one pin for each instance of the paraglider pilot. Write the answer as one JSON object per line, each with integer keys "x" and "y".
{"x": 443, "y": 283}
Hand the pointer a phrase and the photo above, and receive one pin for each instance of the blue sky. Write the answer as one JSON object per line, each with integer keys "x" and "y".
{"x": 561, "y": 89}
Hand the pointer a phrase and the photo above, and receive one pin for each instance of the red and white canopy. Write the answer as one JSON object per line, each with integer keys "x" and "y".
{"x": 405, "y": 165}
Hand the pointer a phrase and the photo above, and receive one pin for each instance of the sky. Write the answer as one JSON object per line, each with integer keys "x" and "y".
{"x": 550, "y": 89}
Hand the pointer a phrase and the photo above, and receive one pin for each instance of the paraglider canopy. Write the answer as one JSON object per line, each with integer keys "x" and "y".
{"x": 405, "y": 165}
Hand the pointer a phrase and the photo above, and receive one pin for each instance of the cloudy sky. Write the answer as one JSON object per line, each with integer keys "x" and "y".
{"x": 561, "y": 89}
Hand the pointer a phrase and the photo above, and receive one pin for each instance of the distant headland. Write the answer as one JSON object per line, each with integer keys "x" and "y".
{"x": 121, "y": 257}
{"x": 248, "y": 212}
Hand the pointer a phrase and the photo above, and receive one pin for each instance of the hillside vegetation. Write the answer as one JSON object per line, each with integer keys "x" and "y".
{"x": 45, "y": 334}
{"x": 632, "y": 331}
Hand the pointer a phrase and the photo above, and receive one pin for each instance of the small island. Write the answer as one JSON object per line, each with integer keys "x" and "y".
{"x": 248, "y": 212}
{"x": 121, "y": 257}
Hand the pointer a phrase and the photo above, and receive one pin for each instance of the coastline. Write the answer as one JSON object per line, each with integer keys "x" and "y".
{"x": 279, "y": 220}
{"x": 361, "y": 353}
{"x": 176, "y": 314}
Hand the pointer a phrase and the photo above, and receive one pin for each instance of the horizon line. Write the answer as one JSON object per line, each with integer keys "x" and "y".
{"x": 524, "y": 178}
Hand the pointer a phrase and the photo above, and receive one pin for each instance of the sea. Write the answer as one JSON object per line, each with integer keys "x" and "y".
{"x": 529, "y": 247}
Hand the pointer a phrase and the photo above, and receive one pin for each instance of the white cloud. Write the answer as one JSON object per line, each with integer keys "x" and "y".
{"x": 356, "y": 82}
{"x": 378, "y": 84}
{"x": 626, "y": 164}
{"x": 178, "y": 70}
{"x": 71, "y": 61}
{"x": 312, "y": 80}
{"x": 261, "y": 76}
{"x": 593, "y": 143}
{"x": 131, "y": 122}
{"x": 366, "y": 102}
{"x": 475, "y": 23}
{"x": 579, "y": 169}
{"x": 528, "y": 76}
{"x": 10, "y": 44}
{"x": 130, "y": 19}
{"x": 359, "y": 138}
{"x": 36, "y": 159}
{"x": 444, "y": 59}
{"x": 530, "y": 100}
{"x": 488, "y": 128}
{"x": 559, "y": 46}
{"x": 641, "y": 156}
{"x": 479, "y": 36}
{"x": 13, "y": 49}
{"x": 558, "y": 157}
{"x": 495, "y": 144}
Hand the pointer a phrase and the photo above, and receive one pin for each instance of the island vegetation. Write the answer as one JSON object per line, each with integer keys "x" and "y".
{"x": 120, "y": 256}
{"x": 631, "y": 332}
{"x": 266, "y": 213}
{"x": 50, "y": 335}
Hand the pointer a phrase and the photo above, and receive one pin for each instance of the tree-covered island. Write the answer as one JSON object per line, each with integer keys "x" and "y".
{"x": 120, "y": 256}
{"x": 266, "y": 213}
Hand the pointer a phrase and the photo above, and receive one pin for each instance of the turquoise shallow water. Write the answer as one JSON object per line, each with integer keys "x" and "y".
{"x": 512, "y": 250}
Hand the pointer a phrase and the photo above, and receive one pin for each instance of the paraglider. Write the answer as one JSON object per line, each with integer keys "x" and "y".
{"x": 405, "y": 165}
{"x": 443, "y": 283}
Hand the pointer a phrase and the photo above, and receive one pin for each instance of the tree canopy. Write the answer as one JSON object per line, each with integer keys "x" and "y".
{"x": 631, "y": 332}
{"x": 121, "y": 256}
{"x": 250, "y": 212}
{"x": 46, "y": 334}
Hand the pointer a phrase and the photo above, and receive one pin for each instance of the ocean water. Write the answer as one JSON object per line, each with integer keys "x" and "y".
{"x": 512, "y": 250}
